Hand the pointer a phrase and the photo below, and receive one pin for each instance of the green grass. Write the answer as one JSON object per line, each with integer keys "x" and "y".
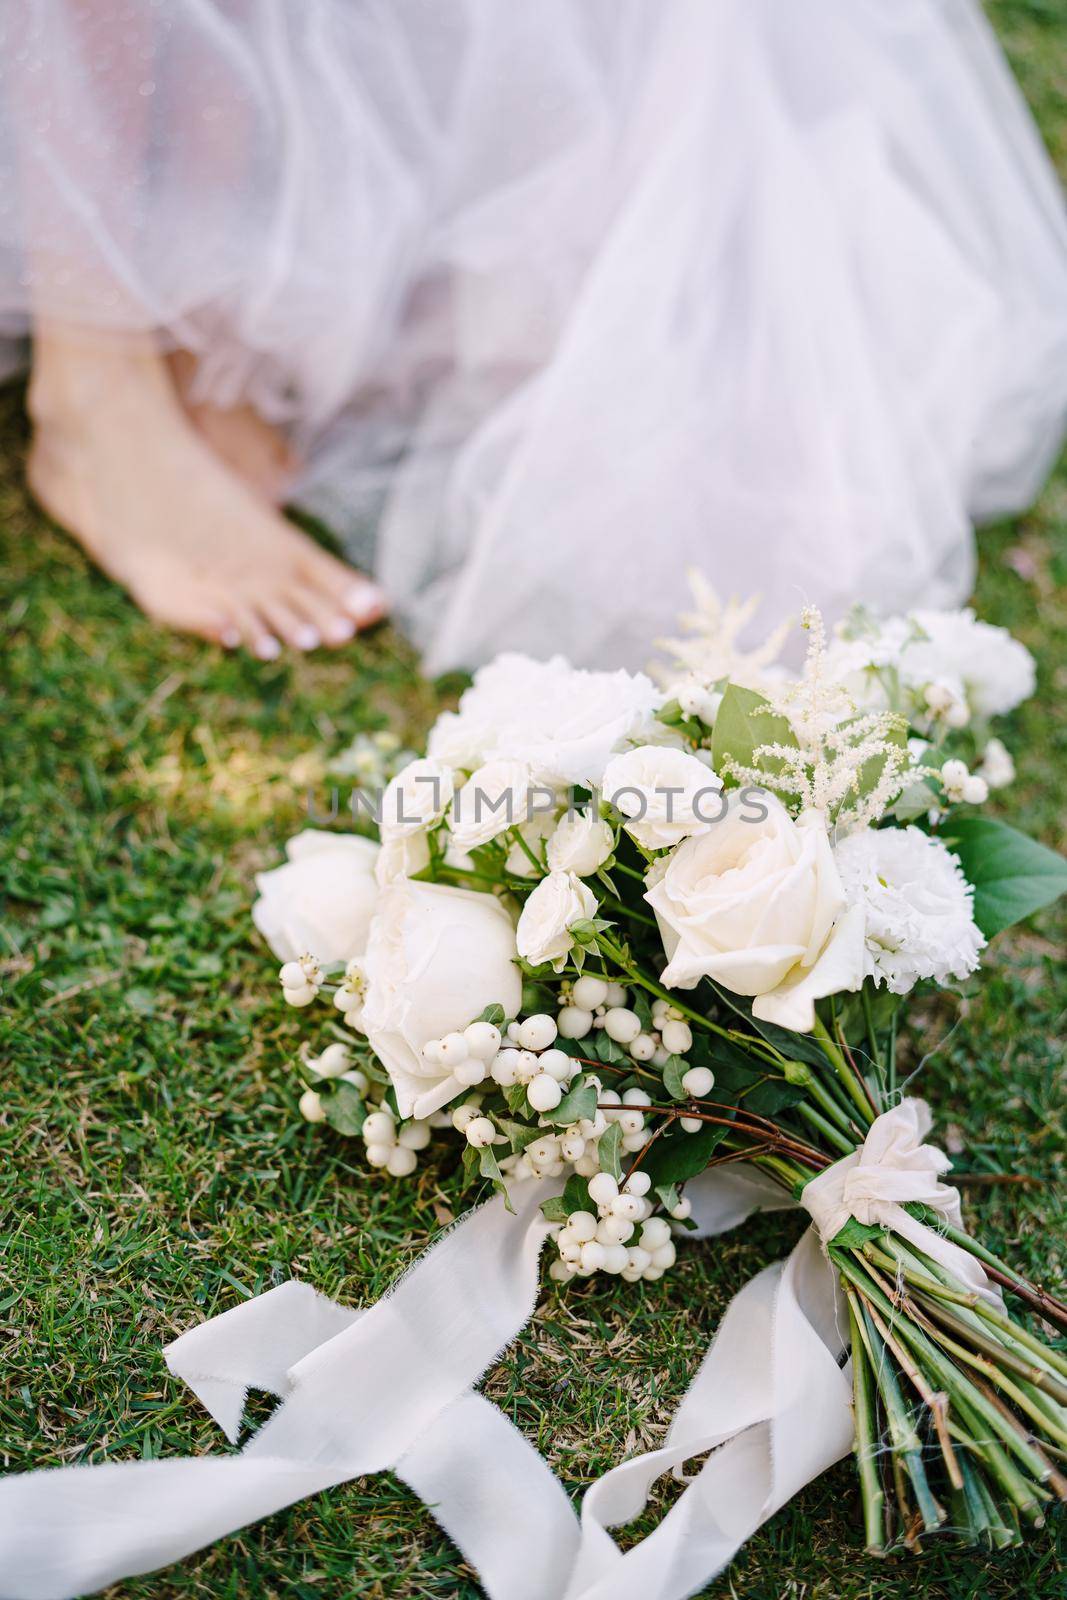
{"x": 152, "y": 1170}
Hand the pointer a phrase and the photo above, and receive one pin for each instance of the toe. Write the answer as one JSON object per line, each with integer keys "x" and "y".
{"x": 352, "y": 594}
{"x": 253, "y": 631}
{"x": 322, "y": 611}
{"x": 287, "y": 622}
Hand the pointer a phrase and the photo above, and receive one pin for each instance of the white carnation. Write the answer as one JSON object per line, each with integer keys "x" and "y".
{"x": 996, "y": 671}
{"x": 919, "y": 908}
{"x": 564, "y": 722}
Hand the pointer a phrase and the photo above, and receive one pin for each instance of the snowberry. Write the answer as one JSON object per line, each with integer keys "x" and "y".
{"x": 357, "y": 1079}
{"x": 691, "y": 1124}
{"x": 582, "y": 1226}
{"x": 483, "y": 1040}
{"x": 614, "y": 1230}
{"x": 975, "y": 791}
{"x": 432, "y": 1053}
{"x": 513, "y": 1031}
{"x": 938, "y": 697}
{"x": 954, "y": 775}
{"x": 698, "y": 1081}
{"x": 464, "y": 1115}
{"x": 379, "y": 1128}
{"x": 617, "y": 995}
{"x": 632, "y": 1143}
{"x": 538, "y": 1032}
{"x": 333, "y": 1062}
{"x": 603, "y": 1189}
{"x": 643, "y": 1048}
{"x": 480, "y": 1132}
{"x": 589, "y": 992}
{"x": 586, "y": 1164}
{"x": 503, "y": 1067}
{"x": 630, "y": 1122}
{"x": 594, "y": 1256}
{"x": 402, "y": 1162}
{"x": 638, "y": 1183}
{"x": 293, "y": 975}
{"x": 572, "y": 1147}
{"x": 570, "y": 1250}
{"x": 655, "y": 1234}
{"x": 639, "y": 1257}
{"x": 544, "y": 1093}
{"x": 616, "y": 1258}
{"x": 453, "y": 1049}
{"x": 665, "y": 1256}
{"x": 652, "y": 1274}
{"x": 683, "y": 1209}
{"x": 561, "y": 1272}
{"x": 621, "y": 1025}
{"x": 300, "y": 997}
{"x": 414, "y": 1135}
{"x": 311, "y": 1108}
{"x": 958, "y": 714}
{"x": 470, "y": 1072}
{"x": 557, "y": 1064}
{"x": 378, "y": 1154}
{"x": 527, "y": 1066}
{"x": 637, "y": 1097}
{"x": 677, "y": 1037}
{"x": 543, "y": 1151}
{"x": 627, "y": 1206}
{"x": 573, "y": 1022}
{"x": 347, "y": 999}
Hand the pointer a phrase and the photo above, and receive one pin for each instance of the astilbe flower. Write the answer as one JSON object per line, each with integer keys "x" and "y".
{"x": 711, "y": 654}
{"x": 828, "y": 768}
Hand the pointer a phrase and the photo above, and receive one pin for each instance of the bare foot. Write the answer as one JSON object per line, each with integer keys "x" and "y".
{"x": 116, "y": 462}
{"x": 248, "y": 444}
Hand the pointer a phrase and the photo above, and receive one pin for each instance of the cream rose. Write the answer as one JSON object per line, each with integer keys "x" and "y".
{"x": 544, "y": 931}
{"x": 322, "y": 900}
{"x": 494, "y": 798}
{"x": 415, "y": 799}
{"x": 436, "y": 957}
{"x": 665, "y": 795}
{"x": 581, "y": 843}
{"x": 758, "y": 907}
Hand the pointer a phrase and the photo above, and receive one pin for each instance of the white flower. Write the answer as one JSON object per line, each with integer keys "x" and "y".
{"x": 917, "y": 905}
{"x": 563, "y": 721}
{"x": 322, "y": 899}
{"x": 534, "y": 833}
{"x": 435, "y": 958}
{"x": 415, "y": 799}
{"x": 402, "y": 856}
{"x": 995, "y": 670}
{"x": 997, "y": 766}
{"x": 558, "y": 902}
{"x": 581, "y": 843}
{"x": 665, "y": 795}
{"x": 494, "y": 798}
{"x": 758, "y": 907}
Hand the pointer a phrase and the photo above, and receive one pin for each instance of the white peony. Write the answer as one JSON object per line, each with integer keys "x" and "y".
{"x": 581, "y": 843}
{"x": 558, "y": 902}
{"x": 758, "y": 907}
{"x": 495, "y": 797}
{"x": 565, "y": 722}
{"x": 415, "y": 799}
{"x": 322, "y": 900}
{"x": 996, "y": 671}
{"x": 665, "y": 795}
{"x": 435, "y": 958}
{"x": 917, "y": 905}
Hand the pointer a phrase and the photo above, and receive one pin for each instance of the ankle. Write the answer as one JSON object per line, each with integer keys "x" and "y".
{"x": 77, "y": 376}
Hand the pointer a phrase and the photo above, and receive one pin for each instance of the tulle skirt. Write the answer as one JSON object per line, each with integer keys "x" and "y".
{"x": 558, "y": 299}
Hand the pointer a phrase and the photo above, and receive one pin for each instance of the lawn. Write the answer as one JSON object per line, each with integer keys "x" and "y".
{"x": 153, "y": 1170}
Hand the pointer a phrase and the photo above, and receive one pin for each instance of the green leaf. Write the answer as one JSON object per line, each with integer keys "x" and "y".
{"x": 577, "y": 1104}
{"x": 678, "y": 1156}
{"x": 488, "y": 1165}
{"x": 1012, "y": 874}
{"x": 470, "y": 1163}
{"x": 344, "y": 1109}
{"x": 609, "y": 1148}
{"x": 674, "y": 1071}
{"x": 741, "y": 725}
{"x": 576, "y": 1194}
{"x": 515, "y": 1095}
{"x": 855, "y": 1233}
{"x": 606, "y": 1049}
{"x": 520, "y": 1133}
{"x": 554, "y": 1209}
{"x": 668, "y": 1196}
{"x": 872, "y": 769}
{"x": 493, "y": 1014}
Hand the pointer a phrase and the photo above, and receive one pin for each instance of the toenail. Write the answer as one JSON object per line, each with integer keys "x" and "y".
{"x": 267, "y": 648}
{"x": 364, "y": 600}
{"x": 339, "y": 629}
{"x": 307, "y": 637}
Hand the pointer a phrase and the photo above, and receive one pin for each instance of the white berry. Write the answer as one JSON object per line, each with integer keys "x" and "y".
{"x": 311, "y": 1108}
{"x": 627, "y": 1206}
{"x": 617, "y": 995}
{"x": 603, "y": 1189}
{"x": 379, "y": 1128}
{"x": 470, "y": 1072}
{"x": 616, "y": 1258}
{"x": 638, "y": 1183}
{"x": 378, "y": 1154}
{"x": 677, "y": 1037}
{"x": 581, "y": 1225}
{"x": 402, "y": 1162}
{"x": 503, "y": 1067}
{"x": 300, "y": 997}
{"x": 594, "y": 1256}
{"x": 483, "y": 1040}
{"x": 621, "y": 1025}
{"x": 698, "y": 1081}
{"x": 643, "y": 1047}
{"x": 572, "y": 1147}
{"x": 573, "y": 1022}
{"x": 463, "y": 1116}
{"x": 538, "y": 1032}
{"x": 480, "y": 1132}
{"x": 453, "y": 1049}
{"x": 557, "y": 1064}
{"x": 665, "y": 1256}
{"x": 414, "y": 1135}
{"x": 683, "y": 1209}
{"x": 589, "y": 992}
{"x": 527, "y": 1066}
{"x": 544, "y": 1093}
{"x": 691, "y": 1124}
{"x": 655, "y": 1234}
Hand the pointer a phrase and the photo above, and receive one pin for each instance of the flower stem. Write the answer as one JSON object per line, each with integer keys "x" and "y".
{"x": 856, "y": 1090}
{"x": 866, "y": 1440}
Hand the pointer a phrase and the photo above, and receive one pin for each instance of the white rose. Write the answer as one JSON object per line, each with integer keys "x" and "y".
{"x": 581, "y": 843}
{"x": 563, "y": 721}
{"x": 666, "y": 795}
{"x": 533, "y": 833}
{"x": 436, "y": 957}
{"x": 402, "y": 856}
{"x": 415, "y": 799}
{"x": 322, "y": 900}
{"x": 558, "y": 902}
{"x": 494, "y": 798}
{"x": 758, "y": 907}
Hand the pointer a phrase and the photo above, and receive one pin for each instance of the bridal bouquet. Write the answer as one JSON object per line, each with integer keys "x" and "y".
{"x": 618, "y": 932}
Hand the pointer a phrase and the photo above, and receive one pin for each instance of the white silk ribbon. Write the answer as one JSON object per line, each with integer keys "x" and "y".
{"x": 391, "y": 1387}
{"x": 892, "y": 1168}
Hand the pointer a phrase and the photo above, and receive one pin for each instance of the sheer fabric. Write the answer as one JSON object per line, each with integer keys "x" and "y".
{"x": 558, "y": 299}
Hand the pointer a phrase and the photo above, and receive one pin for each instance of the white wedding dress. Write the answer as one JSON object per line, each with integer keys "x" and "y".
{"x": 560, "y": 298}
